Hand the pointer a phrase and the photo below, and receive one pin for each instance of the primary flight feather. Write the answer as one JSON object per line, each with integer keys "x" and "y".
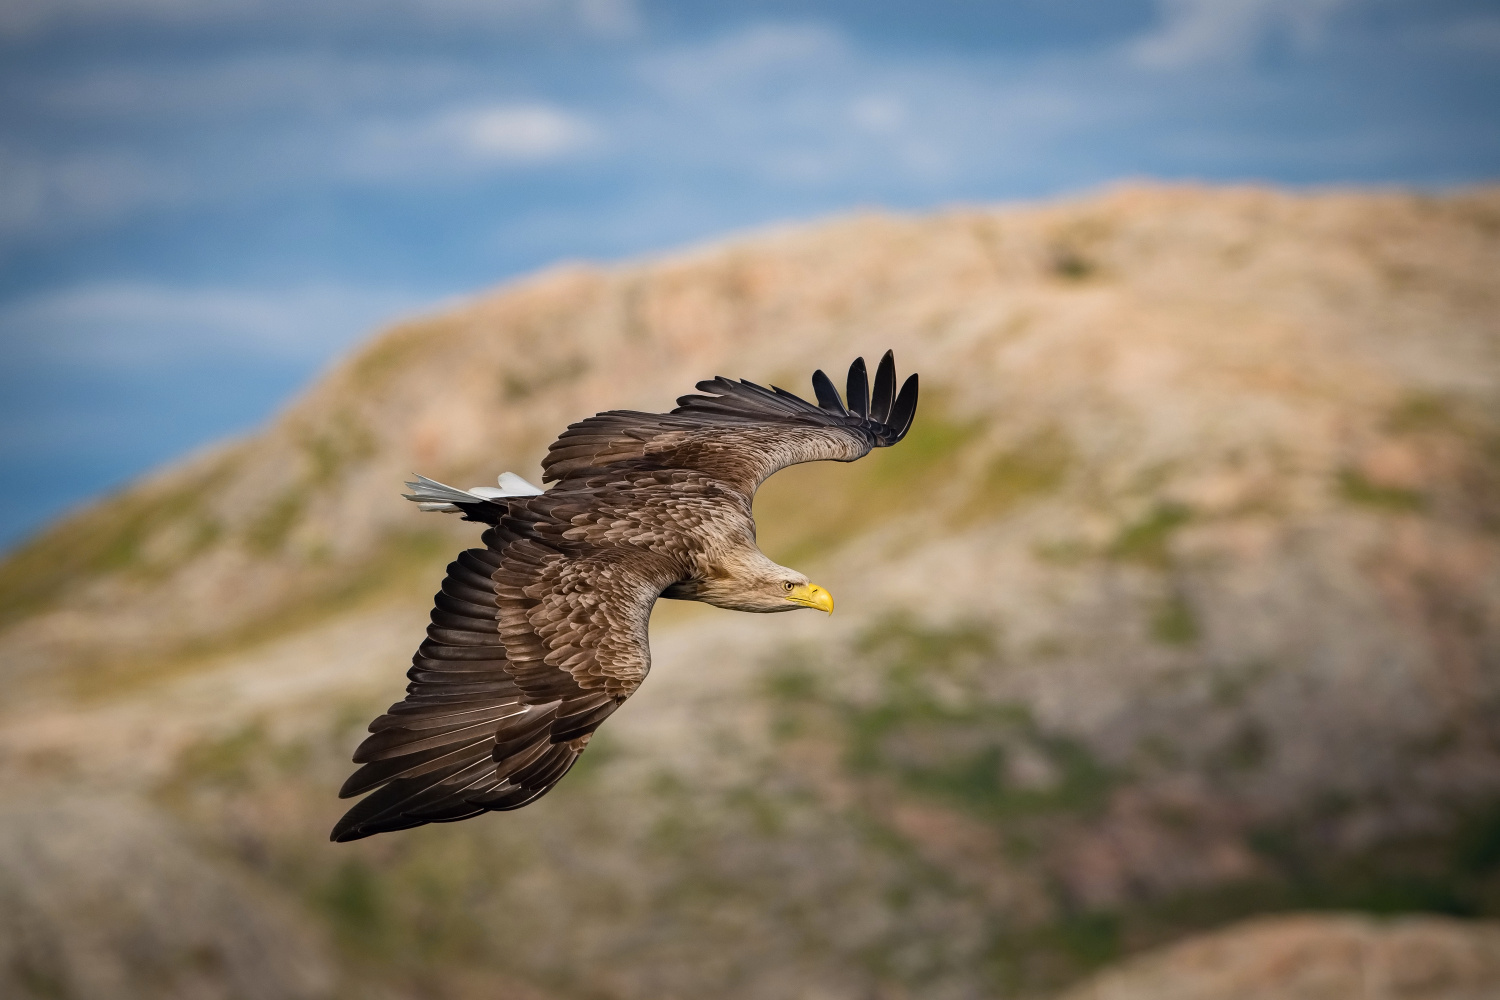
{"x": 539, "y": 636}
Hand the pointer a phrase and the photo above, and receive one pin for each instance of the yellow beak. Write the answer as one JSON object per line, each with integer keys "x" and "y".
{"x": 810, "y": 595}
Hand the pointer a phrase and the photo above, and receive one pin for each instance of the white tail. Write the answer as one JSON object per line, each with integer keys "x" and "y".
{"x": 429, "y": 494}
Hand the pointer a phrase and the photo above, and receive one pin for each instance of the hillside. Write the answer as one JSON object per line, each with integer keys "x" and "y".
{"x": 1180, "y": 604}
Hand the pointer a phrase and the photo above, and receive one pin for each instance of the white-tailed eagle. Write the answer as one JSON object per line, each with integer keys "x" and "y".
{"x": 540, "y": 635}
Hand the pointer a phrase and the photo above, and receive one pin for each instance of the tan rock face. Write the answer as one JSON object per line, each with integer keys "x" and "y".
{"x": 1315, "y": 958}
{"x": 1181, "y": 603}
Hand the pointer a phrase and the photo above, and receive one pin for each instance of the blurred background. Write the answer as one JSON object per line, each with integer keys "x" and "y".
{"x": 1168, "y": 653}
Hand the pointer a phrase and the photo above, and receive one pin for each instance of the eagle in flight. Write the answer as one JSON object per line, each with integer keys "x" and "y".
{"x": 540, "y": 635}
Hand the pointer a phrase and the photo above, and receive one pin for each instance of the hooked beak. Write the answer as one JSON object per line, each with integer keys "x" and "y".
{"x": 810, "y": 595}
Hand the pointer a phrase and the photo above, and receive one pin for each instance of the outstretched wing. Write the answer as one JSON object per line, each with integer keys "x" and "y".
{"x": 530, "y": 648}
{"x": 743, "y": 432}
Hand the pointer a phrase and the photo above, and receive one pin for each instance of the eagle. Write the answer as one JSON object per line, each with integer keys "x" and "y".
{"x": 537, "y": 637}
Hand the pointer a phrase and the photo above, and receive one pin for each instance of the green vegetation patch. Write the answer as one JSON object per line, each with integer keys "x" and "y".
{"x": 1355, "y": 488}
{"x": 1424, "y": 412}
{"x": 400, "y": 561}
{"x": 414, "y": 907}
{"x": 146, "y": 531}
{"x": 1054, "y": 953}
{"x": 1147, "y": 541}
{"x": 395, "y": 351}
{"x": 225, "y": 762}
{"x": 1174, "y": 622}
{"x": 268, "y": 532}
{"x": 401, "y": 903}
{"x": 353, "y": 901}
{"x": 1074, "y": 251}
{"x": 329, "y": 451}
{"x": 602, "y": 751}
{"x": 1453, "y": 869}
{"x": 1035, "y": 467}
{"x": 1464, "y": 483}
{"x": 1245, "y": 750}
{"x": 333, "y": 447}
{"x": 1071, "y": 264}
{"x": 1455, "y": 872}
{"x": 961, "y": 756}
{"x": 1063, "y": 551}
{"x": 233, "y": 762}
{"x": 516, "y": 385}
{"x": 810, "y": 510}
{"x": 909, "y": 648}
{"x": 930, "y": 727}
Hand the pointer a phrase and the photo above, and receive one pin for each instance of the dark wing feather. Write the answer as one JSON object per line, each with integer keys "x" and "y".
{"x": 529, "y": 650}
{"x": 905, "y": 408}
{"x": 828, "y": 396}
{"x": 857, "y": 388}
{"x": 740, "y": 432}
{"x": 885, "y": 389}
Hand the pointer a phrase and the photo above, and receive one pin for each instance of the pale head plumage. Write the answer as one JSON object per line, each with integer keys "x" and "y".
{"x": 746, "y": 580}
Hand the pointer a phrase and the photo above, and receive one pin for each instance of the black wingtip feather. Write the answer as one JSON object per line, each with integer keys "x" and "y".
{"x": 828, "y": 396}
{"x": 858, "y": 390}
{"x": 905, "y": 408}
{"x": 885, "y": 389}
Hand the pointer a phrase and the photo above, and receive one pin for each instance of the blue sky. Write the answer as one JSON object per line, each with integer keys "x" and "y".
{"x": 202, "y": 203}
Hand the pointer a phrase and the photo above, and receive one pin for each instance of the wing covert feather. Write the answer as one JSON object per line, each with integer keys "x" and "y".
{"x": 740, "y": 432}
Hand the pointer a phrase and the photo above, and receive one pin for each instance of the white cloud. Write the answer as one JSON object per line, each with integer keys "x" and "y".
{"x": 880, "y": 115}
{"x": 58, "y": 191}
{"x": 467, "y": 139}
{"x": 125, "y": 325}
{"x": 524, "y": 133}
{"x": 1194, "y": 32}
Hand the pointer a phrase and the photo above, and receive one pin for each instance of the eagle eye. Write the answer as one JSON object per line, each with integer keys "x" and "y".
{"x": 788, "y": 585}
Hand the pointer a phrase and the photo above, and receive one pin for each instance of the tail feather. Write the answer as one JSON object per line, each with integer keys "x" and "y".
{"x": 431, "y": 495}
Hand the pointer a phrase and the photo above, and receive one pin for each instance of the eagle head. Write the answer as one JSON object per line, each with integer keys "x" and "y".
{"x": 752, "y": 582}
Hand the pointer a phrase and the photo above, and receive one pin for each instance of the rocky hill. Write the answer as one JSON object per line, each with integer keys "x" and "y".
{"x": 1180, "y": 604}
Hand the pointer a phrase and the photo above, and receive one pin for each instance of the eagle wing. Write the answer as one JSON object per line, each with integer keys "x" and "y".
{"x": 742, "y": 432}
{"x": 529, "y": 649}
